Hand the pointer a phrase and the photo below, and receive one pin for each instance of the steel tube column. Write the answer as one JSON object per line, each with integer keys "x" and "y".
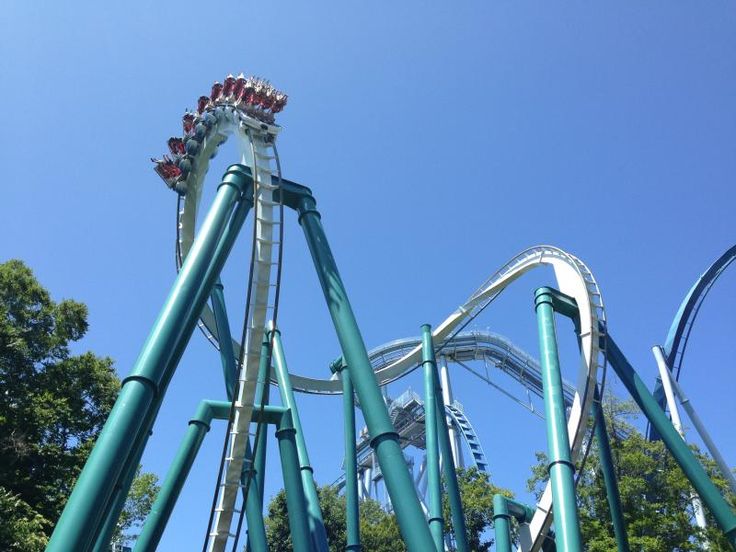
{"x": 352, "y": 510}
{"x": 501, "y": 523}
{"x": 143, "y": 389}
{"x": 227, "y": 354}
{"x": 434, "y": 482}
{"x": 609, "y": 476}
{"x": 316, "y": 524}
{"x": 178, "y": 472}
{"x": 561, "y": 468}
{"x": 222, "y": 251}
{"x": 708, "y": 492}
{"x": 295, "y": 501}
{"x": 385, "y": 440}
{"x": 448, "y": 464}
{"x": 263, "y": 392}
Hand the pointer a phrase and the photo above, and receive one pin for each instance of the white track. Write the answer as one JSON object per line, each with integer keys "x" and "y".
{"x": 255, "y": 141}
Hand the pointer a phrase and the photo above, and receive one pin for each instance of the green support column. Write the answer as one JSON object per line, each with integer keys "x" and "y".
{"x": 501, "y": 523}
{"x": 432, "y": 448}
{"x": 448, "y": 463}
{"x": 263, "y": 392}
{"x": 609, "y": 476}
{"x": 116, "y": 445}
{"x": 171, "y": 487}
{"x": 295, "y": 501}
{"x": 352, "y": 509}
{"x": 316, "y": 524}
{"x": 385, "y": 440}
{"x": 561, "y": 468}
{"x": 227, "y": 355}
{"x": 221, "y": 253}
{"x": 708, "y": 492}
{"x": 256, "y": 530}
{"x": 504, "y": 508}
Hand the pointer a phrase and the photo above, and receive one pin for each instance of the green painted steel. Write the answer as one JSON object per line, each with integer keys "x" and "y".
{"x": 609, "y": 477}
{"x": 707, "y": 491}
{"x": 448, "y": 462}
{"x": 567, "y": 306}
{"x": 501, "y": 523}
{"x": 295, "y": 501}
{"x": 227, "y": 354}
{"x": 316, "y": 523}
{"x": 352, "y": 509}
{"x": 432, "y": 447}
{"x": 561, "y": 468}
{"x": 142, "y": 391}
{"x": 385, "y": 440}
{"x": 262, "y": 396}
{"x": 157, "y": 519}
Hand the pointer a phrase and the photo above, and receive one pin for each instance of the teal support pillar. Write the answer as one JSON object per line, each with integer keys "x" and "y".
{"x": 142, "y": 391}
{"x": 227, "y": 355}
{"x": 448, "y": 463}
{"x": 567, "y": 306}
{"x": 708, "y": 492}
{"x": 504, "y": 509}
{"x": 157, "y": 519}
{"x": 256, "y": 531}
{"x": 352, "y": 510}
{"x": 432, "y": 448}
{"x": 117, "y": 501}
{"x": 262, "y": 396}
{"x": 561, "y": 468}
{"x": 295, "y": 501}
{"x": 316, "y": 524}
{"x": 501, "y": 523}
{"x": 384, "y": 439}
{"x": 609, "y": 477}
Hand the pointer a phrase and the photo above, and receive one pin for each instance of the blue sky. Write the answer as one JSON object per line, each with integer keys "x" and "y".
{"x": 439, "y": 140}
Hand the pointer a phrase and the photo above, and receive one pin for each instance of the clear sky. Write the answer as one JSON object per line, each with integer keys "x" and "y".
{"x": 439, "y": 142}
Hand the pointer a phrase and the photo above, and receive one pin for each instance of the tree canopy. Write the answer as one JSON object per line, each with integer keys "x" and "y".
{"x": 655, "y": 494}
{"x": 379, "y": 530}
{"x": 52, "y": 407}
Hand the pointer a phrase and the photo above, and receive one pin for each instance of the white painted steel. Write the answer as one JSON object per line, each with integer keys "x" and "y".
{"x": 255, "y": 144}
{"x": 664, "y": 374}
{"x": 457, "y": 454}
{"x": 704, "y": 435}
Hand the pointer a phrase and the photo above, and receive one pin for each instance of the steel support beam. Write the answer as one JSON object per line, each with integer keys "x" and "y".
{"x": 385, "y": 440}
{"x": 561, "y": 468}
{"x": 609, "y": 476}
{"x": 352, "y": 499}
{"x": 316, "y": 523}
{"x": 446, "y": 459}
{"x": 130, "y": 419}
{"x": 708, "y": 492}
{"x": 432, "y": 448}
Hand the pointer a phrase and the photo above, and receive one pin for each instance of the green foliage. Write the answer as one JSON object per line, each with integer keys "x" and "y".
{"x": 655, "y": 494}
{"x": 143, "y": 492}
{"x": 52, "y": 405}
{"x": 378, "y": 529}
{"x": 22, "y": 529}
{"x": 476, "y": 495}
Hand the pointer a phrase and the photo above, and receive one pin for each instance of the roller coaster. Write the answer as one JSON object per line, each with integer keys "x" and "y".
{"x": 243, "y": 110}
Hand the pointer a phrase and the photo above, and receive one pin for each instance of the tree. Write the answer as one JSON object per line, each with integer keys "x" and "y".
{"x": 52, "y": 404}
{"x": 476, "y": 495}
{"x": 379, "y": 531}
{"x": 655, "y": 494}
